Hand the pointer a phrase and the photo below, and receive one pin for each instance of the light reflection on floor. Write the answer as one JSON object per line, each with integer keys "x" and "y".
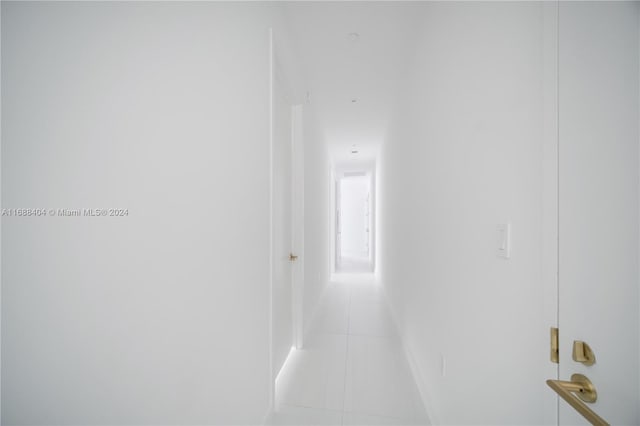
{"x": 351, "y": 370}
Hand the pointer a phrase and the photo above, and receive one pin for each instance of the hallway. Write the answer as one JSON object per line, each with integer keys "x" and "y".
{"x": 352, "y": 369}
{"x": 320, "y": 213}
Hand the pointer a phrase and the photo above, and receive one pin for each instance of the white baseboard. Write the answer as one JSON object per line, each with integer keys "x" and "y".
{"x": 267, "y": 420}
{"x": 425, "y": 394}
{"x": 314, "y": 311}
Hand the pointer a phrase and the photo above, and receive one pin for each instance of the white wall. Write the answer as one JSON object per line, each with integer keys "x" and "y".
{"x": 353, "y": 200}
{"x": 463, "y": 156}
{"x": 160, "y": 317}
{"x": 317, "y": 263}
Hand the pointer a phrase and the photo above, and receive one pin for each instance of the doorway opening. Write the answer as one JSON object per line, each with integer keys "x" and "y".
{"x": 354, "y": 221}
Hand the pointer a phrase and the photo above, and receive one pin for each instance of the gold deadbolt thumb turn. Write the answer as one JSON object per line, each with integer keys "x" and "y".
{"x": 292, "y": 257}
{"x": 583, "y": 353}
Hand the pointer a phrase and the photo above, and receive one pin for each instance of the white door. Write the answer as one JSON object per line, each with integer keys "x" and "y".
{"x": 297, "y": 237}
{"x": 338, "y": 225}
{"x": 282, "y": 292}
{"x": 367, "y": 224}
{"x": 598, "y": 206}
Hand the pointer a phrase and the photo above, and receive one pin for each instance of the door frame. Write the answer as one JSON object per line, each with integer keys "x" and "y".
{"x": 337, "y": 224}
{"x": 339, "y": 172}
{"x": 280, "y": 74}
{"x": 550, "y": 205}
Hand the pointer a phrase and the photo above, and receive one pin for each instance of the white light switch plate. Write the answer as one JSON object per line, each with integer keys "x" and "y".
{"x": 504, "y": 240}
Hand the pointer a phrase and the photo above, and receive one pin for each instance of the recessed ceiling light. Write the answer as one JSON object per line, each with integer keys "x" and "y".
{"x": 353, "y": 36}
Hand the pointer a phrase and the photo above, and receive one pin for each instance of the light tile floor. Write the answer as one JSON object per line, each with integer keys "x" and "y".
{"x": 352, "y": 370}
{"x": 354, "y": 264}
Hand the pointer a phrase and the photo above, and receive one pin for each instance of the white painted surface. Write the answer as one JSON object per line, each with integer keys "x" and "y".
{"x": 160, "y": 317}
{"x": 550, "y": 194}
{"x": 282, "y": 216}
{"x": 354, "y": 193}
{"x": 339, "y": 70}
{"x": 336, "y": 241}
{"x": 297, "y": 187}
{"x": 504, "y": 241}
{"x": 310, "y": 185}
{"x": 317, "y": 226}
{"x": 463, "y": 154}
{"x": 1, "y": 206}
{"x": 598, "y": 290}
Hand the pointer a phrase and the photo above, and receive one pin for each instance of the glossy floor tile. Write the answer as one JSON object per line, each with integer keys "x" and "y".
{"x": 370, "y": 319}
{"x": 379, "y": 381}
{"x": 301, "y": 416}
{"x": 352, "y": 369}
{"x": 355, "y": 264}
{"x": 355, "y": 419}
{"x": 314, "y": 377}
{"x": 367, "y": 292}
{"x": 332, "y": 315}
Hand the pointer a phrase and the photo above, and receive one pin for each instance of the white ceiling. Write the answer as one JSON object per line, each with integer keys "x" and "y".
{"x": 339, "y": 70}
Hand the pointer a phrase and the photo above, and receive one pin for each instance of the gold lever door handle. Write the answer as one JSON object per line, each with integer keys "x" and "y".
{"x": 292, "y": 257}
{"x": 574, "y": 392}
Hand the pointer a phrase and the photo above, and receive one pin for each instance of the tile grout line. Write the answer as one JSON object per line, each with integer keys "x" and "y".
{"x": 346, "y": 356}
